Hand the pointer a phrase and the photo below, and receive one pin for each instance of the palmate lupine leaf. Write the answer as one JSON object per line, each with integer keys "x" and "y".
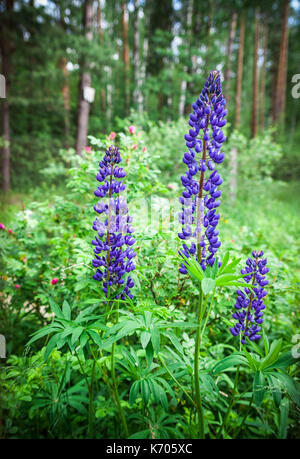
{"x": 230, "y": 361}
{"x": 213, "y": 277}
{"x": 259, "y": 388}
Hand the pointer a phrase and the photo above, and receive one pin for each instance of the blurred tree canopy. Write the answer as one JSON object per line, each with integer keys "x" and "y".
{"x": 143, "y": 55}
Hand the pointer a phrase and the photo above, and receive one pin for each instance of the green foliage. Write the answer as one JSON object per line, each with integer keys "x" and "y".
{"x": 73, "y": 340}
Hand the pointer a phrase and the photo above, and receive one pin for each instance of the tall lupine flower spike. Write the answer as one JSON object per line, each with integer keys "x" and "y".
{"x": 199, "y": 200}
{"x": 114, "y": 239}
{"x": 249, "y": 305}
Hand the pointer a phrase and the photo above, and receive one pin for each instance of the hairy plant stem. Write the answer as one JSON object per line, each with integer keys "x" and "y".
{"x": 176, "y": 381}
{"x": 196, "y": 368}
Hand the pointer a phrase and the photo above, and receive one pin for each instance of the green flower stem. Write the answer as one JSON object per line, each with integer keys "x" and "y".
{"x": 91, "y": 412}
{"x": 90, "y": 390}
{"x": 117, "y": 398}
{"x": 176, "y": 381}
{"x": 196, "y": 368}
{"x": 208, "y": 314}
{"x": 115, "y": 387}
{"x": 224, "y": 423}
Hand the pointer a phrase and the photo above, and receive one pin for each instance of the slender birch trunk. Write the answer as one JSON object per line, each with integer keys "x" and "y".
{"x": 85, "y": 81}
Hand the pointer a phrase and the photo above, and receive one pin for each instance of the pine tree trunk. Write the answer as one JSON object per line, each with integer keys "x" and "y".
{"x": 239, "y": 79}
{"x": 5, "y": 122}
{"x": 65, "y": 91}
{"x": 141, "y": 101}
{"x": 285, "y": 58}
{"x": 137, "y": 97}
{"x": 126, "y": 54}
{"x": 255, "y": 78}
{"x": 85, "y": 81}
{"x": 208, "y": 36}
{"x": 280, "y": 96}
{"x": 263, "y": 80}
{"x": 6, "y": 50}
{"x": 100, "y": 35}
{"x": 231, "y": 36}
{"x": 183, "y": 85}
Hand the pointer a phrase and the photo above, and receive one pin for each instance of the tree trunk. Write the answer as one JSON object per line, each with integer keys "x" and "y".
{"x": 141, "y": 101}
{"x": 239, "y": 79}
{"x": 137, "y": 96}
{"x": 65, "y": 90}
{"x": 231, "y": 36}
{"x": 6, "y": 50}
{"x": 85, "y": 81}
{"x": 280, "y": 97}
{"x": 126, "y": 54}
{"x": 255, "y": 78}
{"x": 263, "y": 81}
{"x": 208, "y": 37}
{"x": 183, "y": 86}
{"x": 5, "y": 122}
{"x": 100, "y": 34}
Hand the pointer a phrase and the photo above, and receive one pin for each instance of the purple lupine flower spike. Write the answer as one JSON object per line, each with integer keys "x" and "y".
{"x": 199, "y": 217}
{"x": 114, "y": 241}
{"x": 249, "y": 305}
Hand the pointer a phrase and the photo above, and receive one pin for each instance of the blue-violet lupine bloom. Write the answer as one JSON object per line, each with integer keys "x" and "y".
{"x": 114, "y": 241}
{"x": 249, "y": 305}
{"x": 200, "y": 199}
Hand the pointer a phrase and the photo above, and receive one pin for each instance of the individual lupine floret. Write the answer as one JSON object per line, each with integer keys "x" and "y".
{"x": 199, "y": 217}
{"x": 250, "y": 304}
{"x": 114, "y": 241}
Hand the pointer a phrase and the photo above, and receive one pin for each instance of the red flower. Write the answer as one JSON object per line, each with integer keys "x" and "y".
{"x": 112, "y": 135}
{"x": 2, "y": 226}
{"x": 131, "y": 129}
{"x": 88, "y": 149}
{"x": 144, "y": 149}
{"x": 134, "y": 147}
{"x": 10, "y": 231}
{"x": 54, "y": 281}
{"x": 17, "y": 286}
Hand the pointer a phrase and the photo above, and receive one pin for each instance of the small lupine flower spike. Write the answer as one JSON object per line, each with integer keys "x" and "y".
{"x": 200, "y": 199}
{"x": 114, "y": 239}
{"x": 249, "y": 305}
